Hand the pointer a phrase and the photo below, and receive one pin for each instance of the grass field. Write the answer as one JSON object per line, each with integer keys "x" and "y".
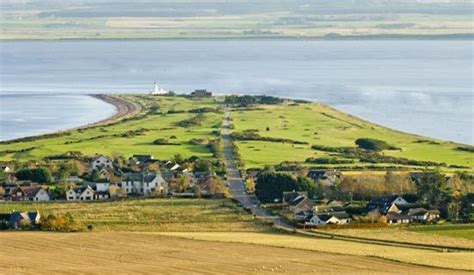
{"x": 322, "y": 125}
{"x": 462, "y": 231}
{"x": 126, "y": 253}
{"x": 108, "y": 140}
{"x": 457, "y": 260}
{"x": 453, "y": 236}
{"x": 150, "y": 215}
{"x": 314, "y": 123}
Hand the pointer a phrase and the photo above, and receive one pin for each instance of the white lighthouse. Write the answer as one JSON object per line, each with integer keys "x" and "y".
{"x": 157, "y": 90}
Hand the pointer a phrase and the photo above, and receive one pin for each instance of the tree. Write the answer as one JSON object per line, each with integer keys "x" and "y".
{"x": 372, "y": 144}
{"x": 306, "y": 184}
{"x": 202, "y": 165}
{"x": 178, "y": 158}
{"x": 2, "y": 191}
{"x": 270, "y": 186}
{"x": 39, "y": 175}
{"x": 432, "y": 189}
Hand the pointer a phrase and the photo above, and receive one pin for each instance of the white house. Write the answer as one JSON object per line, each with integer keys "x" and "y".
{"x": 322, "y": 219}
{"x": 144, "y": 184}
{"x": 30, "y": 193}
{"x": 101, "y": 162}
{"x": 81, "y": 193}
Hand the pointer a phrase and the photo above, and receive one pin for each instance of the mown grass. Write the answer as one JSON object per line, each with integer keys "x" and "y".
{"x": 322, "y": 125}
{"x": 107, "y": 140}
{"x": 462, "y": 231}
{"x": 149, "y": 215}
{"x": 457, "y": 260}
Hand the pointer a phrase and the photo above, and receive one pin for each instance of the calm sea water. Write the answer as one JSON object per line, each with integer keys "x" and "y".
{"x": 423, "y": 87}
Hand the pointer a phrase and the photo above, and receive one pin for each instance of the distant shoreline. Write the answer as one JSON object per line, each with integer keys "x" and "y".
{"x": 331, "y": 37}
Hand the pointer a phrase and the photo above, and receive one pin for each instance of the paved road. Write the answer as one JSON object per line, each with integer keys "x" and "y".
{"x": 236, "y": 183}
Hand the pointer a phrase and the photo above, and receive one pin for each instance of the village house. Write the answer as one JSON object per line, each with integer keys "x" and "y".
{"x": 201, "y": 93}
{"x": 30, "y": 193}
{"x": 144, "y": 183}
{"x": 15, "y": 219}
{"x": 101, "y": 162}
{"x": 326, "y": 177}
{"x": 9, "y": 188}
{"x": 297, "y": 201}
{"x": 423, "y": 215}
{"x": 397, "y": 218}
{"x": 331, "y": 218}
{"x": 382, "y": 204}
{"x": 80, "y": 193}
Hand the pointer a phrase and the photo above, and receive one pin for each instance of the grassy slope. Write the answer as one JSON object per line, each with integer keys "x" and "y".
{"x": 457, "y": 260}
{"x": 160, "y": 126}
{"x": 150, "y": 215}
{"x": 313, "y": 123}
{"x": 320, "y": 124}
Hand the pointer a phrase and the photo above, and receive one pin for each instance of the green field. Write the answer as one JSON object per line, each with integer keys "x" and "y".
{"x": 465, "y": 231}
{"x": 149, "y": 215}
{"x": 315, "y": 124}
{"x": 108, "y": 140}
{"x": 322, "y": 125}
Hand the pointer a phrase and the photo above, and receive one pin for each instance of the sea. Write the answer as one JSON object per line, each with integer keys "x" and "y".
{"x": 422, "y": 87}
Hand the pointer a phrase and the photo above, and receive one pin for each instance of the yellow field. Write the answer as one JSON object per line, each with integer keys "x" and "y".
{"x": 457, "y": 260}
{"x": 126, "y": 253}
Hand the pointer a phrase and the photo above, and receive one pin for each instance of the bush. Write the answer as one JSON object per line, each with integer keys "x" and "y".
{"x": 373, "y": 144}
{"x": 194, "y": 121}
{"x": 329, "y": 160}
{"x": 253, "y": 135}
{"x": 64, "y": 223}
{"x": 39, "y": 175}
{"x": 161, "y": 141}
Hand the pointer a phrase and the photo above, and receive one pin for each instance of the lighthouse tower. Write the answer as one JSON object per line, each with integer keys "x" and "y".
{"x": 157, "y": 90}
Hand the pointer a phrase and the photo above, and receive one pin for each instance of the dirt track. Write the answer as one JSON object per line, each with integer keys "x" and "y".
{"x": 125, "y": 253}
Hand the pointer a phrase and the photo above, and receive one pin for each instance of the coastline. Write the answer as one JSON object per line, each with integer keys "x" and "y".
{"x": 123, "y": 109}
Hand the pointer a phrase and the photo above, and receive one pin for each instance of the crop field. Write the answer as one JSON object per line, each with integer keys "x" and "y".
{"x": 462, "y": 231}
{"x": 453, "y": 236}
{"x": 120, "y": 137}
{"x": 232, "y": 19}
{"x": 126, "y": 253}
{"x": 318, "y": 124}
{"x": 149, "y": 215}
{"x": 454, "y": 260}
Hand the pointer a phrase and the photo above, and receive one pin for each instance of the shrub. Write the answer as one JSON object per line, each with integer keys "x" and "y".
{"x": 63, "y": 223}
{"x": 40, "y": 175}
{"x": 373, "y": 144}
{"x": 161, "y": 141}
{"x": 329, "y": 160}
{"x": 194, "y": 121}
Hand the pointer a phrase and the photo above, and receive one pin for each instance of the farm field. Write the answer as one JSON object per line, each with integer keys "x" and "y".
{"x": 454, "y": 260}
{"x": 232, "y": 19}
{"x": 452, "y": 231}
{"x": 149, "y": 215}
{"x": 453, "y": 236}
{"x": 125, "y": 253}
{"x": 318, "y": 124}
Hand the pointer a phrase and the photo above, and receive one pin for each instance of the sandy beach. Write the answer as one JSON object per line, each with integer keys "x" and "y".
{"x": 123, "y": 108}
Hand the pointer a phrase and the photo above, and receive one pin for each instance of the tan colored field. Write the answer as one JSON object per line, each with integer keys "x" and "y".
{"x": 125, "y": 253}
{"x": 457, "y": 260}
{"x": 402, "y": 235}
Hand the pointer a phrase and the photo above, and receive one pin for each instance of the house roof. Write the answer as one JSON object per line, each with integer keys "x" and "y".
{"x": 30, "y": 191}
{"x": 290, "y": 197}
{"x": 422, "y": 211}
{"x": 149, "y": 177}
